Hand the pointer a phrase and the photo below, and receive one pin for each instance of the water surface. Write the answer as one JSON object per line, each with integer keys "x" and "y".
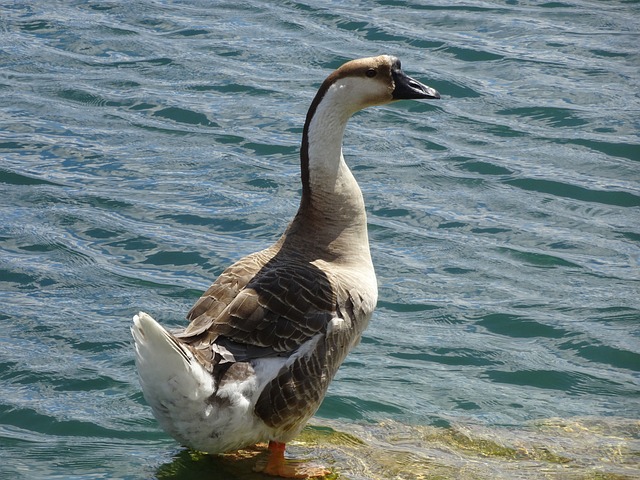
{"x": 146, "y": 145}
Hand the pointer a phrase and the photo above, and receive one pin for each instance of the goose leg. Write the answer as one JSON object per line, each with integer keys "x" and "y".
{"x": 278, "y": 466}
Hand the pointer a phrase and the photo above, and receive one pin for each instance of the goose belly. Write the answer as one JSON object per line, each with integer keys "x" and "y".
{"x": 208, "y": 421}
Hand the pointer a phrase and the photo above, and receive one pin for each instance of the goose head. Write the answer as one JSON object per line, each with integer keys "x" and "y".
{"x": 366, "y": 82}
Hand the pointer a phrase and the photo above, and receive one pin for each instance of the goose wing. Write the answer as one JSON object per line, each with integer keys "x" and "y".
{"x": 257, "y": 309}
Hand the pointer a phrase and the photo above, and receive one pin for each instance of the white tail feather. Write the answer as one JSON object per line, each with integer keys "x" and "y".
{"x": 183, "y": 397}
{"x": 167, "y": 370}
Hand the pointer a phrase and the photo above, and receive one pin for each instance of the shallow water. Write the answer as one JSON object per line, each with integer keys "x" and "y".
{"x": 146, "y": 145}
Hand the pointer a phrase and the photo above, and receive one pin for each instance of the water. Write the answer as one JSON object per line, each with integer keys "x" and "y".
{"x": 146, "y": 145}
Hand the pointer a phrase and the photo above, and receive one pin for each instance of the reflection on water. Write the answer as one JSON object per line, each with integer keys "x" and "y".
{"x": 553, "y": 448}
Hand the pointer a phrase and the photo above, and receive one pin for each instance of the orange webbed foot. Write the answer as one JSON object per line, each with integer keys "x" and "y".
{"x": 278, "y": 466}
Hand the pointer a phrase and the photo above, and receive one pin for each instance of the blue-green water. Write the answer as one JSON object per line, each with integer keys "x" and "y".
{"x": 146, "y": 145}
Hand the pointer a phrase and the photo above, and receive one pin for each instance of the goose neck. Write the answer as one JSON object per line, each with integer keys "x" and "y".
{"x": 332, "y": 214}
{"x": 327, "y": 179}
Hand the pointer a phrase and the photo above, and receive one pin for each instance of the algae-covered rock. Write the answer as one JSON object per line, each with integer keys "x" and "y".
{"x": 577, "y": 449}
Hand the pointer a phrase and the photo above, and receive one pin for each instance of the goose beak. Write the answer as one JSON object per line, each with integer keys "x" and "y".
{"x": 407, "y": 88}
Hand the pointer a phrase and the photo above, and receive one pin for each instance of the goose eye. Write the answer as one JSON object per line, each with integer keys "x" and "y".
{"x": 372, "y": 72}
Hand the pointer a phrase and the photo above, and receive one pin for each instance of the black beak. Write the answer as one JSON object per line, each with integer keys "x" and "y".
{"x": 406, "y": 88}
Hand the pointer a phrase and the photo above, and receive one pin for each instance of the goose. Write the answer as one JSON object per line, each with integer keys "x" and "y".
{"x": 266, "y": 339}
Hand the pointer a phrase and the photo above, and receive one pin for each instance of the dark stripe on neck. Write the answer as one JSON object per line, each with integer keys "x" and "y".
{"x": 304, "y": 147}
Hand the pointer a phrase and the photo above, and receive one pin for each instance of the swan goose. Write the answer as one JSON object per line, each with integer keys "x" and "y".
{"x": 265, "y": 340}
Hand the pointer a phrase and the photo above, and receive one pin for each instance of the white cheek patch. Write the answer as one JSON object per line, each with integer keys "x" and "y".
{"x": 356, "y": 93}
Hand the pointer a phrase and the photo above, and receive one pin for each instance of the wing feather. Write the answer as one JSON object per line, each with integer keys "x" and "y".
{"x": 263, "y": 301}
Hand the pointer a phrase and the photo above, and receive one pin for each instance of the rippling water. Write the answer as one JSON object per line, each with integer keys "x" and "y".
{"x": 145, "y": 145}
